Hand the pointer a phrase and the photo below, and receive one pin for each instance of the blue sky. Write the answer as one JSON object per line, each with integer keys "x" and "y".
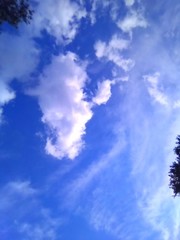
{"x": 89, "y": 114}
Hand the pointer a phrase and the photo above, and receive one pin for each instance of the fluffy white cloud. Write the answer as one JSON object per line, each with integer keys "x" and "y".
{"x": 131, "y": 21}
{"x": 59, "y": 18}
{"x": 62, "y": 101}
{"x": 153, "y": 89}
{"x": 112, "y": 52}
{"x": 103, "y": 93}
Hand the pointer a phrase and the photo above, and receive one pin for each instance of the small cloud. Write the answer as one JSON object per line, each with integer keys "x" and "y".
{"x": 176, "y": 104}
{"x": 117, "y": 75}
{"x": 14, "y": 191}
{"x": 103, "y": 93}
{"x": 6, "y": 94}
{"x": 131, "y": 21}
{"x": 124, "y": 79}
{"x": 45, "y": 228}
{"x": 22, "y": 188}
{"x": 100, "y": 6}
{"x": 100, "y": 48}
{"x": 112, "y": 52}
{"x": 129, "y": 3}
{"x": 153, "y": 89}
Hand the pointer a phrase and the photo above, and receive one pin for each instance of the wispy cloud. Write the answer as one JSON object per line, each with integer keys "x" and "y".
{"x": 84, "y": 180}
{"x": 150, "y": 131}
{"x": 26, "y": 217}
{"x": 131, "y": 21}
{"x": 99, "y": 7}
{"x": 155, "y": 129}
{"x": 112, "y": 51}
{"x": 45, "y": 228}
{"x": 153, "y": 89}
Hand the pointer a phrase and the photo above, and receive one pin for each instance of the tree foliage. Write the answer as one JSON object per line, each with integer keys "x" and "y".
{"x": 15, "y": 12}
{"x": 174, "y": 172}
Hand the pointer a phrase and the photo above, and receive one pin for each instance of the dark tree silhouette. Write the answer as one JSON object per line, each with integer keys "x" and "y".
{"x": 15, "y": 12}
{"x": 174, "y": 172}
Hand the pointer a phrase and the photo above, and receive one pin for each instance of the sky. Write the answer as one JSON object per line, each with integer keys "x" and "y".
{"x": 89, "y": 114}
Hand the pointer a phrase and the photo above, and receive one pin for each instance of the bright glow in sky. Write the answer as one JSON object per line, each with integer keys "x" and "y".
{"x": 89, "y": 114}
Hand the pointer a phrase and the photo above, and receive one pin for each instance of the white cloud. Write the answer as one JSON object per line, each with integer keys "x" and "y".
{"x": 153, "y": 89}
{"x": 123, "y": 79}
{"x": 116, "y": 43}
{"x": 38, "y": 232}
{"x": 45, "y": 228}
{"x": 100, "y": 48}
{"x": 6, "y": 94}
{"x": 154, "y": 131}
{"x": 81, "y": 184}
{"x": 112, "y": 51}
{"x": 103, "y": 93}
{"x": 26, "y": 216}
{"x": 59, "y": 18}
{"x": 156, "y": 211}
{"x": 23, "y": 188}
{"x": 129, "y": 3}
{"x": 13, "y": 191}
{"x": 62, "y": 102}
{"x": 131, "y": 21}
{"x": 19, "y": 55}
{"x": 117, "y": 75}
{"x": 156, "y": 203}
{"x": 16, "y": 62}
{"x": 176, "y": 104}
{"x": 103, "y": 5}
